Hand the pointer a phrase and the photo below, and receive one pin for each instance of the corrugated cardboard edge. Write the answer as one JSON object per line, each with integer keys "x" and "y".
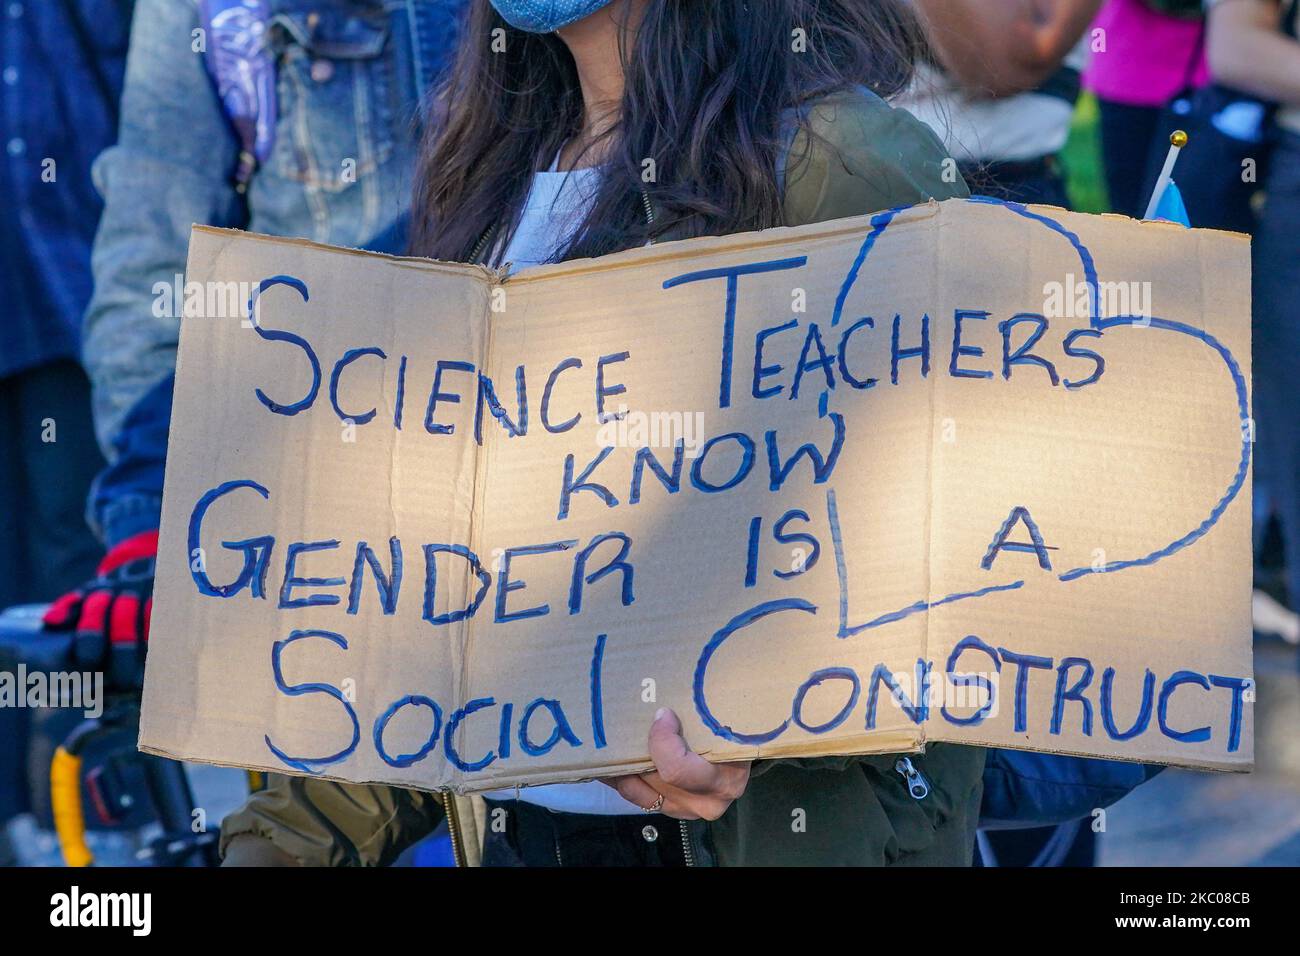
{"x": 888, "y": 742}
{"x": 416, "y": 262}
{"x": 685, "y": 248}
{"x": 853, "y": 225}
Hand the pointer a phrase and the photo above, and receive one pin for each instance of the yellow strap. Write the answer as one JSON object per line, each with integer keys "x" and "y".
{"x": 65, "y": 798}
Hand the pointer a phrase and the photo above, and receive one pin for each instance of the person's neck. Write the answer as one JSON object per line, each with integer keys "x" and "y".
{"x": 594, "y": 42}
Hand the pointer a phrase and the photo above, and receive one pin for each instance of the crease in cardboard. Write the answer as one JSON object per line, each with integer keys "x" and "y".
{"x": 937, "y": 247}
{"x": 465, "y": 640}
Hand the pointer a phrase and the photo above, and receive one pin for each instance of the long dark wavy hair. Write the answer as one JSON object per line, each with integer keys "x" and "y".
{"x": 706, "y": 83}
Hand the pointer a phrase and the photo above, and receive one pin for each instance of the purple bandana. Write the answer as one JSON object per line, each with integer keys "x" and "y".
{"x": 243, "y": 69}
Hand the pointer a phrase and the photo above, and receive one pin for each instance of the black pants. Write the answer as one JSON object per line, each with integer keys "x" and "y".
{"x": 1035, "y": 181}
{"x": 48, "y": 458}
{"x": 1275, "y": 279}
{"x": 1128, "y": 136}
{"x": 523, "y": 834}
{"x": 1071, "y": 844}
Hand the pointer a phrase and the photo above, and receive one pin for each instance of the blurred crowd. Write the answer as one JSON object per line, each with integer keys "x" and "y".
{"x": 123, "y": 122}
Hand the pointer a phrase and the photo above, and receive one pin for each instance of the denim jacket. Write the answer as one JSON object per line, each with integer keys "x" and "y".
{"x": 350, "y": 75}
{"x": 62, "y": 63}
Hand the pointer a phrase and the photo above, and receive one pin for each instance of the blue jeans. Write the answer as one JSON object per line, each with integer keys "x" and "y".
{"x": 1035, "y": 181}
{"x": 1127, "y": 135}
{"x": 349, "y": 78}
{"x": 1276, "y": 348}
{"x": 47, "y": 460}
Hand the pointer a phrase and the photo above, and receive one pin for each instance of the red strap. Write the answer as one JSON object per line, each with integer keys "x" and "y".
{"x": 94, "y": 610}
{"x": 62, "y": 612}
{"x": 123, "y": 620}
{"x": 142, "y": 545}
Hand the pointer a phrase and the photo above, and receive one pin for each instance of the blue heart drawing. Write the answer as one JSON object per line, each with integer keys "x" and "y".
{"x": 879, "y": 224}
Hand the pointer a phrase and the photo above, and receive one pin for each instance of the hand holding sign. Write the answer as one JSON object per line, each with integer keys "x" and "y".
{"x": 691, "y": 787}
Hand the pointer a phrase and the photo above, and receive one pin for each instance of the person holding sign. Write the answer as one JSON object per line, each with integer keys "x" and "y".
{"x": 1254, "y": 46}
{"x": 578, "y": 128}
{"x": 249, "y": 123}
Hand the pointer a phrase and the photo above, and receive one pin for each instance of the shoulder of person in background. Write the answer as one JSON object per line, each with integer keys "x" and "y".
{"x": 202, "y": 121}
{"x": 852, "y": 153}
{"x": 1001, "y": 49}
{"x": 1252, "y": 47}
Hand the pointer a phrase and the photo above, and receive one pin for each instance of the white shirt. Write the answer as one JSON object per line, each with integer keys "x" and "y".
{"x": 1015, "y": 128}
{"x": 555, "y": 208}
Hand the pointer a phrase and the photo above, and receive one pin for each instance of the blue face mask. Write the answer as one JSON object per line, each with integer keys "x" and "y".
{"x": 545, "y": 16}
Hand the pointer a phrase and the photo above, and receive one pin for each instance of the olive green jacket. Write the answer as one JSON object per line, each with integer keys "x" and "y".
{"x": 850, "y": 154}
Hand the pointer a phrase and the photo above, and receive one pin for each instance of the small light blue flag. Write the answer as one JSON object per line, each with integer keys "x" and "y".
{"x": 1170, "y": 207}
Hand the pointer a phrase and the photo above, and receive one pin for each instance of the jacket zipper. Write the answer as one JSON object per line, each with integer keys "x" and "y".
{"x": 687, "y": 852}
{"x": 917, "y": 785}
{"x": 477, "y": 252}
{"x": 649, "y": 211}
{"x": 453, "y": 829}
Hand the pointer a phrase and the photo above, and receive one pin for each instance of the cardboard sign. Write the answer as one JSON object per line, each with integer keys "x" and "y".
{"x": 965, "y": 472}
